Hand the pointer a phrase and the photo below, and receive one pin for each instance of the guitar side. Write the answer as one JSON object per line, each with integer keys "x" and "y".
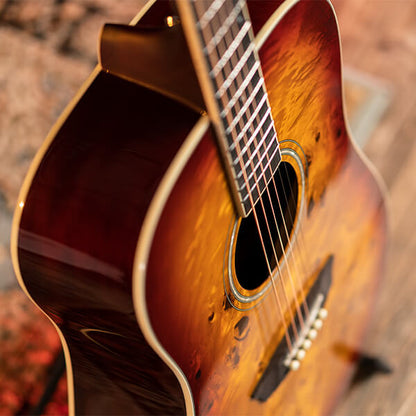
{"x": 125, "y": 226}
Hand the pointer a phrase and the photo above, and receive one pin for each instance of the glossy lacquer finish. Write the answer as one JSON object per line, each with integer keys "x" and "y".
{"x": 94, "y": 189}
{"x": 78, "y": 235}
{"x": 344, "y": 217}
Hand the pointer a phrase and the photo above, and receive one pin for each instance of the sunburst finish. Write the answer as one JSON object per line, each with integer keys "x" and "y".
{"x": 126, "y": 229}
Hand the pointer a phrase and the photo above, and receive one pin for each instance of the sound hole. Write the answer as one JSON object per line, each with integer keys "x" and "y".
{"x": 250, "y": 260}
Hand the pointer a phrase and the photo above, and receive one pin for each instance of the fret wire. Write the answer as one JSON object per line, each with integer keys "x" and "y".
{"x": 223, "y": 29}
{"x": 249, "y": 124}
{"x": 273, "y": 141}
{"x": 228, "y": 21}
{"x": 262, "y": 141}
{"x": 249, "y": 101}
{"x": 229, "y": 40}
{"x": 266, "y": 134}
{"x": 263, "y": 138}
{"x": 240, "y": 65}
{"x": 240, "y": 90}
{"x": 230, "y": 103}
{"x": 256, "y": 111}
{"x": 264, "y": 167}
{"x": 243, "y": 60}
{"x": 246, "y": 127}
{"x": 234, "y": 32}
{"x": 242, "y": 117}
{"x": 230, "y": 51}
{"x": 235, "y": 71}
{"x": 260, "y": 144}
{"x": 250, "y": 160}
{"x": 210, "y": 13}
{"x": 253, "y": 71}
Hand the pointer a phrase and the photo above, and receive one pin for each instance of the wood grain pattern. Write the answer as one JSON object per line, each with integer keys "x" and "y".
{"x": 78, "y": 235}
{"x": 83, "y": 214}
{"x": 346, "y": 218}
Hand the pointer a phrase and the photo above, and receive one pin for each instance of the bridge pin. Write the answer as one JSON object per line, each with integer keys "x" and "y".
{"x": 323, "y": 313}
{"x": 318, "y": 324}
{"x": 300, "y": 355}
{"x": 313, "y": 333}
{"x": 294, "y": 365}
{"x": 306, "y": 344}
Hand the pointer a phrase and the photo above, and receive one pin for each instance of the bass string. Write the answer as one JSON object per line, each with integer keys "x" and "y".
{"x": 297, "y": 241}
{"x": 241, "y": 162}
{"x": 298, "y": 282}
{"x": 202, "y": 11}
{"x": 291, "y": 279}
{"x": 282, "y": 246}
{"x": 255, "y": 214}
{"x": 246, "y": 181}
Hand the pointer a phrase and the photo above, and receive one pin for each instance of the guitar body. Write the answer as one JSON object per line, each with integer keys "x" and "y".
{"x": 126, "y": 237}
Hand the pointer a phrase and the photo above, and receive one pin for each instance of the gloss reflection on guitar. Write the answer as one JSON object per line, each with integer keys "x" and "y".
{"x": 198, "y": 225}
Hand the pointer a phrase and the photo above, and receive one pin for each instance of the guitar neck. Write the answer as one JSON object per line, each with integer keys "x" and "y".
{"x": 221, "y": 42}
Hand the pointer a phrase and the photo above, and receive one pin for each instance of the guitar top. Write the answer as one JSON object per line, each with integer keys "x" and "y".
{"x": 198, "y": 224}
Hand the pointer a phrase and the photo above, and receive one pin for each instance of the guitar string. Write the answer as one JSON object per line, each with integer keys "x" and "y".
{"x": 268, "y": 226}
{"x": 291, "y": 250}
{"x": 297, "y": 241}
{"x": 292, "y": 285}
{"x": 277, "y": 229}
{"x": 289, "y": 243}
{"x": 263, "y": 143}
{"x": 287, "y": 234}
{"x": 241, "y": 162}
{"x": 263, "y": 207}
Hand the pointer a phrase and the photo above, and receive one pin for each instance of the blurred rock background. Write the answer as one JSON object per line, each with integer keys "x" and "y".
{"x": 48, "y": 48}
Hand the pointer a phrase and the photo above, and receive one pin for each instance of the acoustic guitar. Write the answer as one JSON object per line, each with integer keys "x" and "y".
{"x": 198, "y": 225}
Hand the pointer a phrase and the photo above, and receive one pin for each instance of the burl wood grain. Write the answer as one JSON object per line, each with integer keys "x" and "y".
{"x": 345, "y": 217}
{"x": 89, "y": 197}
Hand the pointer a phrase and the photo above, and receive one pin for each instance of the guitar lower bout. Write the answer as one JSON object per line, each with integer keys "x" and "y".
{"x": 167, "y": 301}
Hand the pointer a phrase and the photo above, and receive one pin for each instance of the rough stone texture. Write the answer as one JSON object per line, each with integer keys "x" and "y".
{"x": 28, "y": 346}
{"x": 47, "y": 49}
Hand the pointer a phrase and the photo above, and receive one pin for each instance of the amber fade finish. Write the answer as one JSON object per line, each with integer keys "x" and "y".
{"x": 344, "y": 218}
{"x": 123, "y": 229}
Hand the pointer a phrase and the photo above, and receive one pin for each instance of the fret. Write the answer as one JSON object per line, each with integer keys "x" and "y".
{"x": 262, "y": 140}
{"x": 232, "y": 48}
{"x": 254, "y": 135}
{"x": 250, "y": 121}
{"x": 237, "y": 118}
{"x": 264, "y": 171}
{"x": 224, "y": 29}
{"x": 210, "y": 13}
{"x": 264, "y": 154}
{"x": 221, "y": 41}
{"x": 237, "y": 69}
{"x": 241, "y": 89}
{"x": 240, "y": 136}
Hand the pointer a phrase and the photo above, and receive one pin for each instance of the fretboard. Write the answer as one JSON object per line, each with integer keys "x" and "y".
{"x": 221, "y": 42}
